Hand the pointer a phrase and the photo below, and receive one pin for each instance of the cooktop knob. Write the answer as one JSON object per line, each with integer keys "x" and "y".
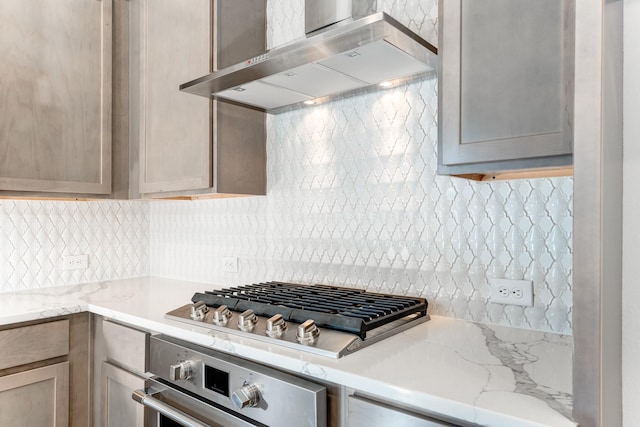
{"x": 308, "y": 333}
{"x": 247, "y": 321}
{"x": 246, "y": 396}
{"x": 181, "y": 371}
{"x": 276, "y": 326}
{"x": 198, "y": 311}
{"x": 221, "y": 315}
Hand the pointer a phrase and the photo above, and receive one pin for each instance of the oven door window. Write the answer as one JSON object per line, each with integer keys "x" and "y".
{"x": 166, "y": 422}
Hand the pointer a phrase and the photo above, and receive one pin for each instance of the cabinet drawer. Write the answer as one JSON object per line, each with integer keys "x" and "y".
{"x": 29, "y": 344}
{"x": 363, "y": 412}
{"x": 125, "y": 346}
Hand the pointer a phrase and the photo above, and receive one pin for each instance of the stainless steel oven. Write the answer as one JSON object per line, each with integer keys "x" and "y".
{"x": 195, "y": 386}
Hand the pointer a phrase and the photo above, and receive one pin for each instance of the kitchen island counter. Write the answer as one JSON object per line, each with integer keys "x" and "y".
{"x": 483, "y": 374}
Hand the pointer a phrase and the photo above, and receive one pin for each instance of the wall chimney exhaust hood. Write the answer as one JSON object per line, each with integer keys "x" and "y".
{"x": 348, "y": 49}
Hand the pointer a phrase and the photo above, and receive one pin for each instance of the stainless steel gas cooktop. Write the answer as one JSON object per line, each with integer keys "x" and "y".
{"x": 327, "y": 320}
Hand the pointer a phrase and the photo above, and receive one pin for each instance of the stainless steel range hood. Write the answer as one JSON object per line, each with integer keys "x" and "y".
{"x": 348, "y": 49}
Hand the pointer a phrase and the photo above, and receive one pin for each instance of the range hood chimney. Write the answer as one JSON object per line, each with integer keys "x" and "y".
{"x": 349, "y": 49}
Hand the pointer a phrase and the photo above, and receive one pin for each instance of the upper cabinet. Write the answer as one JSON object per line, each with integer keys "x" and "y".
{"x": 55, "y": 96}
{"x": 505, "y": 85}
{"x": 190, "y": 146}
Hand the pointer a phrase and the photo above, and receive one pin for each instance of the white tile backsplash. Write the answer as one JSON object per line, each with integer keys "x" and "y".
{"x": 35, "y": 235}
{"x": 353, "y": 199}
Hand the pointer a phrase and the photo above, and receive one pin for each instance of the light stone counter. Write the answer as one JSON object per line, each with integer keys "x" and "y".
{"x": 489, "y": 375}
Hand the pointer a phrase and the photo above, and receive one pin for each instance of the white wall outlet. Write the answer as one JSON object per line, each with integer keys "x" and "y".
{"x": 230, "y": 264}
{"x": 75, "y": 262}
{"x": 513, "y": 292}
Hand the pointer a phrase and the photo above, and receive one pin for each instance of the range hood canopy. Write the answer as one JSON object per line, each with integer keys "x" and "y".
{"x": 348, "y": 49}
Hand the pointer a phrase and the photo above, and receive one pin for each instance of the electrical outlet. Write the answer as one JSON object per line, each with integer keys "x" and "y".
{"x": 513, "y": 292}
{"x": 230, "y": 264}
{"x": 75, "y": 262}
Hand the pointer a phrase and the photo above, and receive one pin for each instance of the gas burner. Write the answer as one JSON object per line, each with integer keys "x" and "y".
{"x": 329, "y": 320}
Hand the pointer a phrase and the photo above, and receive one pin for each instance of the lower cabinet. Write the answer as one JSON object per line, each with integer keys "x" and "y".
{"x": 120, "y": 363}
{"x": 36, "y": 397}
{"x": 118, "y": 407}
{"x": 364, "y": 412}
{"x": 44, "y": 373}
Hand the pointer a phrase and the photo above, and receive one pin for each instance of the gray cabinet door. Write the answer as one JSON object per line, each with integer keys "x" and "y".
{"x": 118, "y": 406}
{"x": 55, "y": 96}
{"x": 505, "y": 85}
{"x": 171, "y": 42}
{"x": 119, "y": 363}
{"x": 188, "y": 145}
{"x": 37, "y": 397}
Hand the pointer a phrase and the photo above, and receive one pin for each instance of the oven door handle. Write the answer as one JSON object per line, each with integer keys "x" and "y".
{"x": 180, "y": 417}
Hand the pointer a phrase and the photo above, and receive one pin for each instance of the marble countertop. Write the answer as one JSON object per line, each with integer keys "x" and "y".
{"x": 488, "y": 375}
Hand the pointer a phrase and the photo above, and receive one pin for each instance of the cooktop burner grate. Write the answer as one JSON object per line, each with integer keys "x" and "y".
{"x": 344, "y": 309}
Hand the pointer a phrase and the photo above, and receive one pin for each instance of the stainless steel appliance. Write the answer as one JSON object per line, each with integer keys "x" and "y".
{"x": 348, "y": 49}
{"x": 194, "y": 386}
{"x": 326, "y": 320}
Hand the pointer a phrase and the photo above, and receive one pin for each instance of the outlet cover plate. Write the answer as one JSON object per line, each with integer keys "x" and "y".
{"x": 512, "y": 292}
{"x": 75, "y": 262}
{"x": 230, "y": 264}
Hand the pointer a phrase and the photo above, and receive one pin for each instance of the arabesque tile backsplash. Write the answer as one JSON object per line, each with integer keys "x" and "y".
{"x": 35, "y": 235}
{"x": 352, "y": 199}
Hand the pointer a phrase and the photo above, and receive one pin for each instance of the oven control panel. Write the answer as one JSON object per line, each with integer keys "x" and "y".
{"x": 306, "y": 336}
{"x": 256, "y": 391}
{"x": 248, "y": 395}
{"x": 181, "y": 370}
{"x": 216, "y": 380}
